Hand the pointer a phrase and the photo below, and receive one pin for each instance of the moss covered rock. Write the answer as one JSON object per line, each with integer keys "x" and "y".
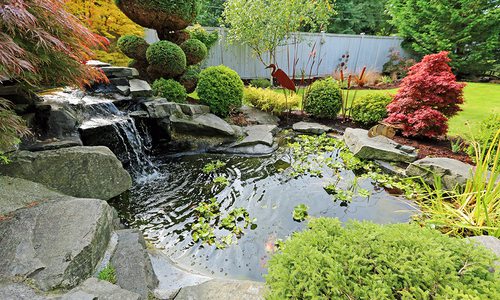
{"x": 195, "y": 51}
{"x": 160, "y": 14}
{"x": 165, "y": 59}
{"x": 133, "y": 46}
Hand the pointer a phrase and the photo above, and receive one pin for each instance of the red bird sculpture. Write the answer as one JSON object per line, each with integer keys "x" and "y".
{"x": 282, "y": 78}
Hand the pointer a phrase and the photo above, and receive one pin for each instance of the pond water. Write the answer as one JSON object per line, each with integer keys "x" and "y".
{"x": 164, "y": 207}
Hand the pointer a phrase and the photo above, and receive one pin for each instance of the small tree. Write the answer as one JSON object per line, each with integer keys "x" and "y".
{"x": 42, "y": 44}
{"x": 428, "y": 96}
{"x": 264, "y": 25}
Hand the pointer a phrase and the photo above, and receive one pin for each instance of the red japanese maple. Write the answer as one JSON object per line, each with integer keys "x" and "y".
{"x": 42, "y": 44}
{"x": 428, "y": 96}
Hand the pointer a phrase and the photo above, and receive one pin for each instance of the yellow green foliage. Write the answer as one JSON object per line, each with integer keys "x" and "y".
{"x": 270, "y": 101}
{"x": 105, "y": 18}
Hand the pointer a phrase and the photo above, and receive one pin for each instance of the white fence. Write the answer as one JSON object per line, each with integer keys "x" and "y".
{"x": 364, "y": 50}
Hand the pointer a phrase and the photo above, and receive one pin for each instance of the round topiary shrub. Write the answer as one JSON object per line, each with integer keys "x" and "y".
{"x": 369, "y": 261}
{"x": 170, "y": 90}
{"x": 221, "y": 89}
{"x": 323, "y": 100}
{"x": 195, "y": 51}
{"x": 199, "y": 33}
{"x": 160, "y": 14}
{"x": 370, "y": 109}
{"x": 190, "y": 79}
{"x": 166, "y": 59}
{"x": 133, "y": 46}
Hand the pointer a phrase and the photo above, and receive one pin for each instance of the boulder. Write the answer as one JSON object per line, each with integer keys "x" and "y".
{"x": 490, "y": 242}
{"x": 452, "y": 172}
{"x": 86, "y": 172}
{"x": 257, "y": 140}
{"x": 134, "y": 271}
{"x": 57, "y": 119}
{"x": 18, "y": 291}
{"x": 379, "y": 147}
{"x": 117, "y": 72}
{"x": 159, "y": 108}
{"x": 95, "y": 289}
{"x": 311, "y": 128}
{"x": 123, "y": 90}
{"x": 201, "y": 125}
{"x": 192, "y": 109}
{"x": 16, "y": 193}
{"x": 218, "y": 289}
{"x": 257, "y": 116}
{"x": 140, "y": 88}
{"x": 57, "y": 244}
{"x": 53, "y": 144}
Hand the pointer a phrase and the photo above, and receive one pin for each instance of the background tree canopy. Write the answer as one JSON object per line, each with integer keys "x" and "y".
{"x": 468, "y": 29}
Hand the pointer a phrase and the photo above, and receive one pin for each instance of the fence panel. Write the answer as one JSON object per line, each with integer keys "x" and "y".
{"x": 363, "y": 50}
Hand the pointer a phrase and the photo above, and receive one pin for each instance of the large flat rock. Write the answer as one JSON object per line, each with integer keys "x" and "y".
{"x": 134, "y": 271}
{"x": 451, "y": 172}
{"x": 223, "y": 290}
{"x": 257, "y": 116}
{"x": 18, "y": 291}
{"x": 379, "y": 147}
{"x": 159, "y": 108}
{"x": 205, "y": 125}
{"x": 57, "y": 244}
{"x": 311, "y": 128}
{"x": 95, "y": 289}
{"x": 140, "y": 88}
{"x": 16, "y": 193}
{"x": 85, "y": 172}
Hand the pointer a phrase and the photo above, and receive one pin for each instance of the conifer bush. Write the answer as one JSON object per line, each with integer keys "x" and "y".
{"x": 362, "y": 260}
{"x": 133, "y": 46}
{"x": 323, "y": 99}
{"x": 165, "y": 59}
{"x": 221, "y": 89}
{"x": 428, "y": 96}
{"x": 169, "y": 89}
{"x": 370, "y": 109}
{"x": 195, "y": 51}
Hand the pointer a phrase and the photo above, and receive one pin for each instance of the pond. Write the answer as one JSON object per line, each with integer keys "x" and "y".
{"x": 268, "y": 188}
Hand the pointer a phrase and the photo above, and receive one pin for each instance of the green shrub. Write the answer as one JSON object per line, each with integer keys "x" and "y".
{"x": 166, "y": 58}
{"x": 367, "y": 261}
{"x": 190, "y": 79}
{"x": 133, "y": 46}
{"x": 268, "y": 100}
{"x": 195, "y": 51}
{"x": 221, "y": 89}
{"x": 323, "y": 99}
{"x": 170, "y": 90}
{"x": 370, "y": 109}
{"x": 485, "y": 136}
{"x": 260, "y": 83}
{"x": 12, "y": 128}
{"x": 108, "y": 274}
{"x": 199, "y": 33}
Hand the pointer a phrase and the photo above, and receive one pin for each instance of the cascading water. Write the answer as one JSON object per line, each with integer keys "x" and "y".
{"x": 104, "y": 124}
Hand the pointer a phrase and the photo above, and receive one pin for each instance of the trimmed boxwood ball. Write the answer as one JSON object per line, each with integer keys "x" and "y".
{"x": 370, "y": 109}
{"x": 190, "y": 79}
{"x": 195, "y": 51}
{"x": 166, "y": 58}
{"x": 370, "y": 261}
{"x": 323, "y": 100}
{"x": 160, "y": 14}
{"x": 170, "y": 90}
{"x": 133, "y": 46}
{"x": 221, "y": 89}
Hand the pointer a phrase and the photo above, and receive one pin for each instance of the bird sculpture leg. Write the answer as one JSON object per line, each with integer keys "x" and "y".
{"x": 286, "y": 106}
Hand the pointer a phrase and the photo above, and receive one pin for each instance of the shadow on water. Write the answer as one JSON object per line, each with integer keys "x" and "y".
{"x": 163, "y": 207}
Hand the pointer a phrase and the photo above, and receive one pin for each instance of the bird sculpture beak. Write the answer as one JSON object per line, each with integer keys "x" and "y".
{"x": 268, "y": 67}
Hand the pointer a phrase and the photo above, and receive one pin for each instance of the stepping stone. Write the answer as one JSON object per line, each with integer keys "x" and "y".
{"x": 379, "y": 147}
{"x": 311, "y": 128}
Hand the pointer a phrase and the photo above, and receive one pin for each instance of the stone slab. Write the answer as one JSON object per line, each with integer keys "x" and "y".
{"x": 311, "y": 128}
{"x": 218, "y": 289}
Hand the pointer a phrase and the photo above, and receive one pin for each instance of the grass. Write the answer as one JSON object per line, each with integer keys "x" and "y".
{"x": 108, "y": 274}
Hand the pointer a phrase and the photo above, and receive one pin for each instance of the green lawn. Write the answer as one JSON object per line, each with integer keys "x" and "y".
{"x": 481, "y": 100}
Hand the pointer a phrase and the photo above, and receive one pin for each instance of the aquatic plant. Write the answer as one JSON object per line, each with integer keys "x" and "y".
{"x": 362, "y": 260}
{"x": 300, "y": 212}
{"x": 222, "y": 180}
{"x": 213, "y": 166}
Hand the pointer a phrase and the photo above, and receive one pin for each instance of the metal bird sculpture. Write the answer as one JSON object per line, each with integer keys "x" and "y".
{"x": 282, "y": 78}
